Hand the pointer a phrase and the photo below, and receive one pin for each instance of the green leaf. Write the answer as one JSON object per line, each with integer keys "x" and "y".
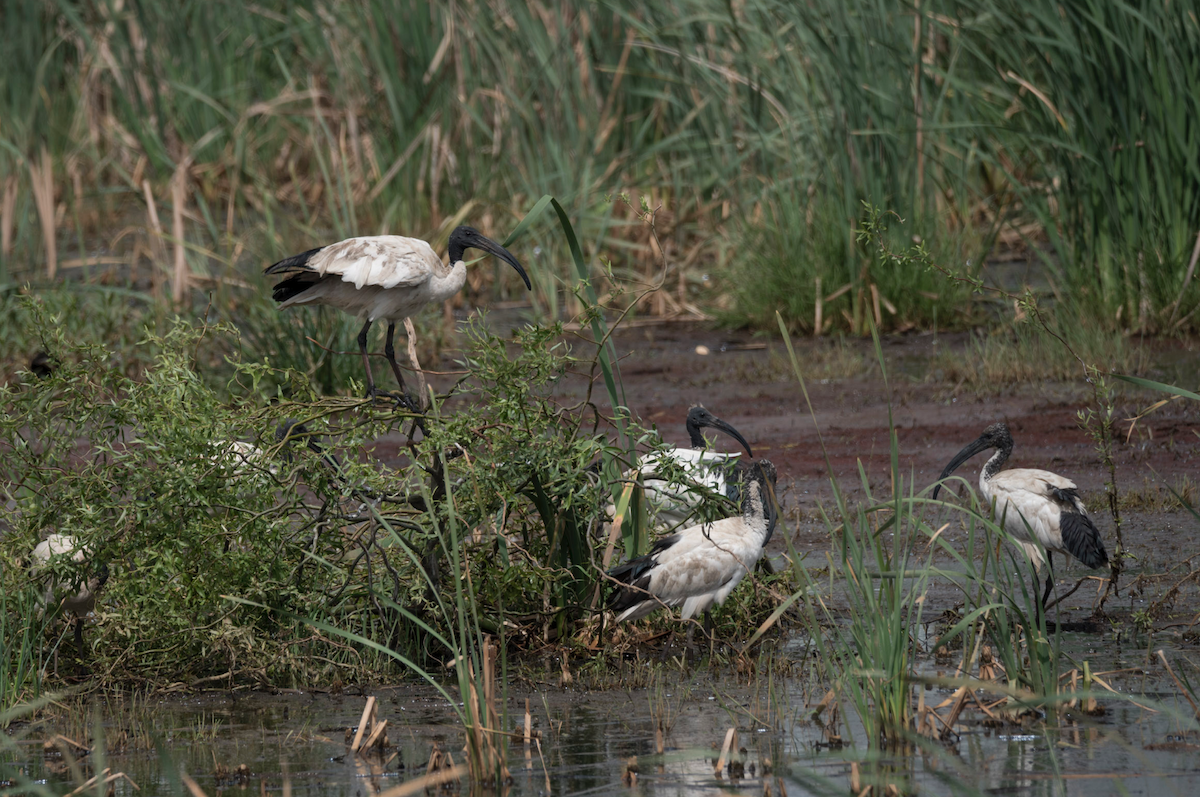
{"x": 1159, "y": 386}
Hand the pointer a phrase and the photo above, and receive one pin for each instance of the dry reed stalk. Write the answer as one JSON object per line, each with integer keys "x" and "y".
{"x": 41, "y": 176}
{"x": 659, "y": 745}
{"x": 485, "y": 755}
{"x": 1170, "y": 672}
{"x": 537, "y": 740}
{"x": 158, "y": 252}
{"x": 377, "y": 737}
{"x": 430, "y": 782}
{"x": 179, "y": 284}
{"x": 192, "y": 786}
{"x": 818, "y": 311}
{"x": 1187, "y": 278}
{"x": 368, "y": 709}
{"x": 422, "y": 389}
{"x": 824, "y": 704}
{"x": 528, "y": 723}
{"x": 629, "y": 774}
{"x": 729, "y": 747}
{"x": 917, "y": 99}
{"x": 435, "y": 173}
{"x": 608, "y": 121}
{"x": 396, "y": 166}
{"x": 8, "y": 211}
{"x": 108, "y": 777}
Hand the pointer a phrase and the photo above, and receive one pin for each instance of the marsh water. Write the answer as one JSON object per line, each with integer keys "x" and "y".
{"x": 297, "y": 742}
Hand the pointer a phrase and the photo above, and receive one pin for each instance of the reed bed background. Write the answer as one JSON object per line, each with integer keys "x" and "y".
{"x": 175, "y": 149}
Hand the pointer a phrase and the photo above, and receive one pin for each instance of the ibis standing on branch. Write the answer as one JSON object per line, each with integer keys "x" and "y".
{"x": 1033, "y": 504}
{"x": 709, "y": 469}
{"x": 700, "y": 566}
{"x": 382, "y": 278}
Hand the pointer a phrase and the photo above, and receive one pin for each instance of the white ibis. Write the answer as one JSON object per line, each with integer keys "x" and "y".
{"x": 1035, "y": 502}
{"x": 381, "y": 278}
{"x": 701, "y": 565}
{"x": 238, "y": 456}
{"x": 80, "y": 598}
{"x": 673, "y": 504}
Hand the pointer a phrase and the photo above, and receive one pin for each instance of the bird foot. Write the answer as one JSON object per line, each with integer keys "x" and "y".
{"x": 408, "y": 402}
{"x": 376, "y": 393}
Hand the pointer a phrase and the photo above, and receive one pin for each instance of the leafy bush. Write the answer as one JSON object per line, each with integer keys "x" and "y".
{"x": 195, "y": 495}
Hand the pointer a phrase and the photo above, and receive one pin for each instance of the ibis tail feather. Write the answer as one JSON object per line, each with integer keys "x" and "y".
{"x": 1082, "y": 538}
{"x": 294, "y": 285}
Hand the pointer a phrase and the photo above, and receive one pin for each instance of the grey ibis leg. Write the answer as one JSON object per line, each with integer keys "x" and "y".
{"x": 389, "y": 351}
{"x": 1049, "y": 578}
{"x": 362, "y": 349}
{"x": 83, "y": 668}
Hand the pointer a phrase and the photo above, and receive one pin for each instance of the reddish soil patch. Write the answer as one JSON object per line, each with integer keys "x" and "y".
{"x": 756, "y": 392}
{"x": 749, "y": 384}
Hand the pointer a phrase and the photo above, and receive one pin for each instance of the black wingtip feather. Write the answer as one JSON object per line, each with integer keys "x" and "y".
{"x": 636, "y": 574}
{"x": 292, "y": 263}
{"x": 293, "y": 285}
{"x": 623, "y": 599}
{"x": 1082, "y": 538}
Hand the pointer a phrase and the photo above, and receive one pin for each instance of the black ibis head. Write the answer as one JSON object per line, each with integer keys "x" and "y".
{"x": 97, "y": 581}
{"x": 42, "y": 365}
{"x": 995, "y": 436}
{"x": 464, "y": 238}
{"x": 698, "y": 418}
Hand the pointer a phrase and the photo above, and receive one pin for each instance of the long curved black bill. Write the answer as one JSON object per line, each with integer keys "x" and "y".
{"x": 962, "y": 456}
{"x": 490, "y": 246}
{"x": 717, "y": 423}
{"x": 770, "y": 509}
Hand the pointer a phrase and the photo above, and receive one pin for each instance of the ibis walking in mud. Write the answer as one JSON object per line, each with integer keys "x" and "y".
{"x": 381, "y": 278}
{"x": 673, "y": 503}
{"x": 78, "y": 598}
{"x": 700, "y": 566}
{"x": 1033, "y": 505}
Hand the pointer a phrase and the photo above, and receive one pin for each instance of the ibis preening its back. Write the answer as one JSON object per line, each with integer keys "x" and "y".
{"x": 1033, "y": 504}
{"x": 673, "y": 503}
{"x": 381, "y": 278}
{"x": 78, "y": 598}
{"x": 701, "y": 565}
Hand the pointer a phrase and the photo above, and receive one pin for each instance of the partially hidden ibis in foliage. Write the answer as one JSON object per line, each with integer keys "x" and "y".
{"x": 673, "y": 503}
{"x": 240, "y": 457}
{"x": 701, "y": 565}
{"x": 1033, "y": 504}
{"x": 381, "y": 278}
{"x": 79, "y": 597}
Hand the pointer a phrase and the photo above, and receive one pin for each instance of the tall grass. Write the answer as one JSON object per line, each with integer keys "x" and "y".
{"x": 1111, "y": 96}
{"x": 22, "y": 628}
{"x": 192, "y": 142}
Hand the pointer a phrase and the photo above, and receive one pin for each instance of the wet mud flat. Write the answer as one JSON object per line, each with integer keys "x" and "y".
{"x": 748, "y": 381}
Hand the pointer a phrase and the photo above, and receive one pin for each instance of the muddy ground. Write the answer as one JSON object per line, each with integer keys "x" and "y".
{"x": 747, "y": 380}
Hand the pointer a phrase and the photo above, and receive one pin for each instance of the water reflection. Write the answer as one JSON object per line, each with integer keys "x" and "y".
{"x": 599, "y": 743}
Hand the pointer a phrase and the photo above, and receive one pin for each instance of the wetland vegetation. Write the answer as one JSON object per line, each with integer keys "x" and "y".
{"x": 861, "y": 227}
